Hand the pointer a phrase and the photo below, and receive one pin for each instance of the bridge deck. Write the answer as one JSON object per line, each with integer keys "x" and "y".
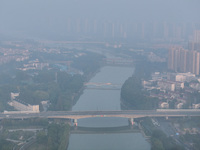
{"x": 90, "y": 114}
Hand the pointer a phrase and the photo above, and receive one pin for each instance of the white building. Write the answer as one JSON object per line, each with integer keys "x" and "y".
{"x": 22, "y": 107}
{"x": 196, "y": 106}
{"x": 166, "y": 85}
{"x": 13, "y": 95}
{"x": 181, "y": 77}
{"x": 164, "y": 105}
{"x": 179, "y": 105}
{"x": 179, "y": 85}
{"x": 195, "y": 86}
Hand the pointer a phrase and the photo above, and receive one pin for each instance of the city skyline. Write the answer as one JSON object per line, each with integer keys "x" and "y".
{"x": 47, "y": 19}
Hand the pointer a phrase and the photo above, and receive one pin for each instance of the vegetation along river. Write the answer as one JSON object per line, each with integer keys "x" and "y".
{"x": 99, "y": 99}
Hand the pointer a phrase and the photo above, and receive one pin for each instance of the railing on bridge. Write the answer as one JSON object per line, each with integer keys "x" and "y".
{"x": 119, "y": 61}
{"x": 131, "y": 114}
{"x": 103, "y": 86}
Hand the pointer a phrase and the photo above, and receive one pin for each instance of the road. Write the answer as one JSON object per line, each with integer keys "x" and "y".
{"x": 89, "y": 114}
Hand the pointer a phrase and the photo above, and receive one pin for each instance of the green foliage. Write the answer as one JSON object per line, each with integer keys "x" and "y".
{"x": 24, "y": 123}
{"x": 133, "y": 96}
{"x": 60, "y": 93}
{"x": 156, "y": 144}
{"x": 17, "y": 135}
{"x": 5, "y": 96}
{"x": 35, "y": 86}
{"x": 5, "y": 145}
{"x": 69, "y": 82}
{"x": 193, "y": 138}
{"x": 144, "y": 69}
{"x": 160, "y": 141}
{"x": 57, "y": 137}
{"x": 21, "y": 76}
{"x": 45, "y": 76}
{"x": 194, "y": 98}
{"x": 41, "y": 95}
{"x": 41, "y": 137}
{"x": 5, "y": 78}
{"x": 88, "y": 63}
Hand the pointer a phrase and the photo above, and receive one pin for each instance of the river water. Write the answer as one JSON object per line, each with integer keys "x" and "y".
{"x": 98, "y": 99}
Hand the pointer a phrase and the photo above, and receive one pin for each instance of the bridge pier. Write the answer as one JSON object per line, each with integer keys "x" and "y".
{"x": 131, "y": 121}
{"x": 75, "y": 122}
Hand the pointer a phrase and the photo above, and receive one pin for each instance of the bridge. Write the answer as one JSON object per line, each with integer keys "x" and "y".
{"x": 130, "y": 114}
{"x": 103, "y": 86}
{"x": 119, "y": 61}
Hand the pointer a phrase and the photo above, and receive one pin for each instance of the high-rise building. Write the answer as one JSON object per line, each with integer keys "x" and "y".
{"x": 182, "y": 60}
{"x": 195, "y": 44}
{"x": 197, "y": 36}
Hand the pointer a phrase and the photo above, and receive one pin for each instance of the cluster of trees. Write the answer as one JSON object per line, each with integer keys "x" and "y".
{"x": 89, "y": 63}
{"x": 192, "y": 138}
{"x": 5, "y": 96}
{"x": 60, "y": 88}
{"x": 160, "y": 141}
{"x": 24, "y": 123}
{"x": 144, "y": 69}
{"x": 5, "y": 145}
{"x": 133, "y": 97}
{"x": 56, "y": 138}
{"x": 132, "y": 94}
{"x": 56, "y": 86}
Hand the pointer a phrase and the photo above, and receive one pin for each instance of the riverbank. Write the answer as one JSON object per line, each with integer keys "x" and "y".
{"x": 144, "y": 135}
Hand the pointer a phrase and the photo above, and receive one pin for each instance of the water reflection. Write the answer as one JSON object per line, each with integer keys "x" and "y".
{"x": 104, "y": 130}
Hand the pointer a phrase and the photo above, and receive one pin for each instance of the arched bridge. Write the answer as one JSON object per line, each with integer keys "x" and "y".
{"x": 131, "y": 114}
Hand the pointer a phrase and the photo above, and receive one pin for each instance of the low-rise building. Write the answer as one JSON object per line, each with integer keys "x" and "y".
{"x": 179, "y": 85}
{"x": 195, "y": 86}
{"x": 181, "y": 77}
{"x": 164, "y": 105}
{"x": 13, "y": 95}
{"x": 23, "y": 107}
{"x": 179, "y": 105}
{"x": 196, "y": 106}
{"x": 166, "y": 85}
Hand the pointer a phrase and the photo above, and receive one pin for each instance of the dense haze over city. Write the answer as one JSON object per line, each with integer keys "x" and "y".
{"x": 46, "y": 18}
{"x": 100, "y": 74}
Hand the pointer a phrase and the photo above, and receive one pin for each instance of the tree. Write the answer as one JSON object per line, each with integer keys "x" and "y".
{"x": 156, "y": 144}
{"x": 134, "y": 97}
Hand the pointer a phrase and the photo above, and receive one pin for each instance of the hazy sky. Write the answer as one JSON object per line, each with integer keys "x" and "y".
{"x": 46, "y": 16}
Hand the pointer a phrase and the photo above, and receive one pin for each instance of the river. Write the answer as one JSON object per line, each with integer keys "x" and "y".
{"x": 98, "y": 99}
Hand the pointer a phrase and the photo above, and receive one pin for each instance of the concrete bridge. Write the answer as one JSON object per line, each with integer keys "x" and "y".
{"x": 119, "y": 61}
{"x": 103, "y": 86}
{"x": 130, "y": 114}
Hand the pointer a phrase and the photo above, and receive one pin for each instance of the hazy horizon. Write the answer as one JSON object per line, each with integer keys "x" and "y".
{"x": 38, "y": 18}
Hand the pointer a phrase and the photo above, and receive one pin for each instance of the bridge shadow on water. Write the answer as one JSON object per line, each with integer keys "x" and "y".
{"x": 104, "y": 130}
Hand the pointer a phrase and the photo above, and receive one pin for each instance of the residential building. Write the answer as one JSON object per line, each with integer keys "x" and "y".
{"x": 23, "y": 107}
{"x": 166, "y": 85}
{"x": 182, "y": 60}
